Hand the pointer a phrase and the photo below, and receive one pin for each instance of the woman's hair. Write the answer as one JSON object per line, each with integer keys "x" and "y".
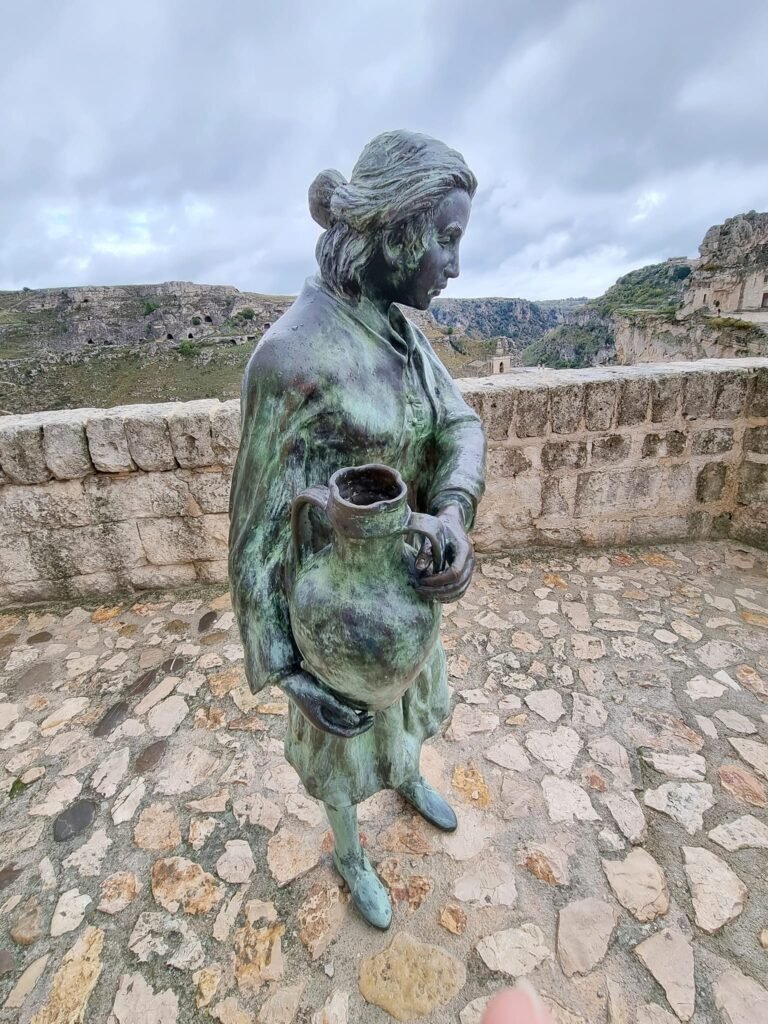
{"x": 387, "y": 204}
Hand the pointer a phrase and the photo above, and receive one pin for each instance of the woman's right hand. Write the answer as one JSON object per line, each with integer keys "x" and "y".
{"x": 323, "y": 709}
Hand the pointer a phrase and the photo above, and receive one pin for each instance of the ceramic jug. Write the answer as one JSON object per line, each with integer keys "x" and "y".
{"x": 359, "y": 624}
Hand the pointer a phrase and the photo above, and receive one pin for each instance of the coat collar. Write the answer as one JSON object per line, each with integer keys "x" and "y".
{"x": 395, "y": 329}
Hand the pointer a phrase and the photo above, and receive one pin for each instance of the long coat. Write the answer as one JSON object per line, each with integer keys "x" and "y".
{"x": 336, "y": 384}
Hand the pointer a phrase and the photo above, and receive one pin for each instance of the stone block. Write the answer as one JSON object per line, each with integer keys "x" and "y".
{"x": 22, "y": 458}
{"x": 749, "y": 523}
{"x": 557, "y": 495}
{"x": 506, "y": 462}
{"x": 209, "y": 488}
{"x": 703, "y": 524}
{"x": 225, "y": 432}
{"x": 108, "y": 444}
{"x": 567, "y": 407}
{"x": 515, "y": 502}
{"x": 65, "y": 446}
{"x": 660, "y": 446}
{"x": 151, "y": 577}
{"x": 16, "y": 561}
{"x": 138, "y": 496}
{"x": 758, "y": 395}
{"x": 149, "y": 439}
{"x": 90, "y": 585}
{"x": 598, "y": 492}
{"x": 190, "y": 429}
{"x": 33, "y": 591}
{"x": 713, "y": 442}
{"x": 216, "y": 571}
{"x": 50, "y": 506}
{"x": 731, "y": 391}
{"x": 753, "y": 483}
{"x": 167, "y": 541}
{"x": 710, "y": 482}
{"x": 564, "y": 455}
{"x": 496, "y": 409}
{"x": 599, "y": 403}
{"x": 665, "y": 398}
{"x": 611, "y": 448}
{"x": 647, "y": 529}
{"x": 675, "y": 487}
{"x": 532, "y": 413}
{"x": 756, "y": 440}
{"x": 698, "y": 395}
{"x": 106, "y": 547}
{"x": 634, "y": 397}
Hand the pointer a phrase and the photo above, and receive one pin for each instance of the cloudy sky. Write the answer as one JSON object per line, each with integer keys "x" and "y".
{"x": 152, "y": 140}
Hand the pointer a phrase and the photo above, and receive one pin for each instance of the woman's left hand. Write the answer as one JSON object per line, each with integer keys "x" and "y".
{"x": 451, "y": 583}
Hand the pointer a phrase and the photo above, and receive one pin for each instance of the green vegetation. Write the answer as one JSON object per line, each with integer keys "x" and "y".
{"x": 730, "y": 323}
{"x": 122, "y": 377}
{"x": 568, "y": 346}
{"x": 657, "y": 286}
{"x": 17, "y": 788}
{"x": 189, "y": 348}
{"x": 247, "y": 313}
{"x": 150, "y": 307}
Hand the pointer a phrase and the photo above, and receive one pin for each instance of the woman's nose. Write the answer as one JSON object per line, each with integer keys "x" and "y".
{"x": 452, "y": 267}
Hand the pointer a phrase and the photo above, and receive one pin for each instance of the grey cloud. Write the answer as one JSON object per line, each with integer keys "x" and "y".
{"x": 146, "y": 141}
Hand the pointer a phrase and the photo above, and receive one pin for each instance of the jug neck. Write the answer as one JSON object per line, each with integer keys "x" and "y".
{"x": 367, "y": 501}
{"x": 380, "y": 551}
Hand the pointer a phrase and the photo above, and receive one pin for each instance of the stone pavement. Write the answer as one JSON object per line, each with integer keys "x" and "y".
{"x": 607, "y": 755}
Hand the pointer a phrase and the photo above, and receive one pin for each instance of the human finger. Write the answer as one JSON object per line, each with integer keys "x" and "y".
{"x": 456, "y": 575}
{"x": 346, "y": 731}
{"x": 516, "y": 1006}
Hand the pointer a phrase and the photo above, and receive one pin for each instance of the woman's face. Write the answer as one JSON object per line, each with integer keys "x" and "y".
{"x": 440, "y": 261}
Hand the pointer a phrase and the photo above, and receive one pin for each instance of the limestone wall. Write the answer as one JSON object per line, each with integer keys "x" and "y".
{"x": 97, "y": 500}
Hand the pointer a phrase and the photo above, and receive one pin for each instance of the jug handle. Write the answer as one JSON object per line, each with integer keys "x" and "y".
{"x": 317, "y": 496}
{"x": 430, "y": 527}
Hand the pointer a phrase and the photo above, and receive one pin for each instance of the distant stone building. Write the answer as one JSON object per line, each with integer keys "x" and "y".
{"x": 731, "y": 278}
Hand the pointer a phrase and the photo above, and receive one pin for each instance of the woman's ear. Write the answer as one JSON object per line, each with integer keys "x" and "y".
{"x": 391, "y": 249}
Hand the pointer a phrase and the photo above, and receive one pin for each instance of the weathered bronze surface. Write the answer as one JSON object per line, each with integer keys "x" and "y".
{"x": 342, "y": 381}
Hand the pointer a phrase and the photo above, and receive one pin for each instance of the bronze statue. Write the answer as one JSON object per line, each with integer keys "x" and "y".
{"x": 343, "y": 381}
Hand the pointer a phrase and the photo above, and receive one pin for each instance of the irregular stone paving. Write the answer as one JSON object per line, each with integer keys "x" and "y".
{"x": 607, "y": 756}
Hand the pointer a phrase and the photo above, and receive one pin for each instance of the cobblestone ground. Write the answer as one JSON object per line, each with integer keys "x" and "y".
{"x": 160, "y": 863}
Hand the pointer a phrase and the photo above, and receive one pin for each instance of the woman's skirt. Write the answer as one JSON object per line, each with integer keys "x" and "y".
{"x": 341, "y": 772}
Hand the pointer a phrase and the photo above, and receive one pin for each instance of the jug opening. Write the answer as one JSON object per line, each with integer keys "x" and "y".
{"x": 369, "y": 485}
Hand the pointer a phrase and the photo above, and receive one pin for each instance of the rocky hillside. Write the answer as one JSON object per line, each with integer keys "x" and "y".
{"x": 70, "y": 347}
{"x": 586, "y": 337}
{"x": 73, "y": 321}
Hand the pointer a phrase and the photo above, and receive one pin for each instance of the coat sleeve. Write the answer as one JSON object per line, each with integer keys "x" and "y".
{"x": 281, "y": 453}
{"x": 460, "y": 445}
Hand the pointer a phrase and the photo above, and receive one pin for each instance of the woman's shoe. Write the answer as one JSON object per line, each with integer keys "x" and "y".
{"x": 430, "y": 804}
{"x": 368, "y": 893}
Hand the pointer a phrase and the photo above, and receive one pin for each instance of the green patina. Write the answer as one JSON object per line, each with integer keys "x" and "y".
{"x": 343, "y": 379}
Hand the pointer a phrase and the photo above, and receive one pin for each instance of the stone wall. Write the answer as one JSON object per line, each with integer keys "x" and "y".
{"x": 625, "y": 454}
{"x": 93, "y": 501}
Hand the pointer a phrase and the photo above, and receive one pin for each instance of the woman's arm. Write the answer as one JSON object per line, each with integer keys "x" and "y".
{"x": 274, "y": 464}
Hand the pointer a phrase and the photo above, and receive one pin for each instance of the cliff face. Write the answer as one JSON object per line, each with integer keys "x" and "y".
{"x": 661, "y": 338}
{"x": 732, "y": 275}
{"x": 519, "y": 319}
{"x": 76, "y": 320}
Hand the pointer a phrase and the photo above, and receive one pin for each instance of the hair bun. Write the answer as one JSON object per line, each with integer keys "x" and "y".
{"x": 320, "y": 194}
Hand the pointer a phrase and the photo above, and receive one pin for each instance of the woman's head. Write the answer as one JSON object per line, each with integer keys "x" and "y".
{"x": 392, "y": 231}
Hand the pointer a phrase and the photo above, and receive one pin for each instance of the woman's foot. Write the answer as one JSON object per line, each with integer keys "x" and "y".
{"x": 368, "y": 893}
{"x": 429, "y": 804}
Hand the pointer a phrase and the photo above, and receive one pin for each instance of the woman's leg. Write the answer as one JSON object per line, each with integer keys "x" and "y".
{"x": 370, "y": 896}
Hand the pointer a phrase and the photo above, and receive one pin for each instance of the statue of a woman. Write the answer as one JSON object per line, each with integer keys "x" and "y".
{"x": 343, "y": 379}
